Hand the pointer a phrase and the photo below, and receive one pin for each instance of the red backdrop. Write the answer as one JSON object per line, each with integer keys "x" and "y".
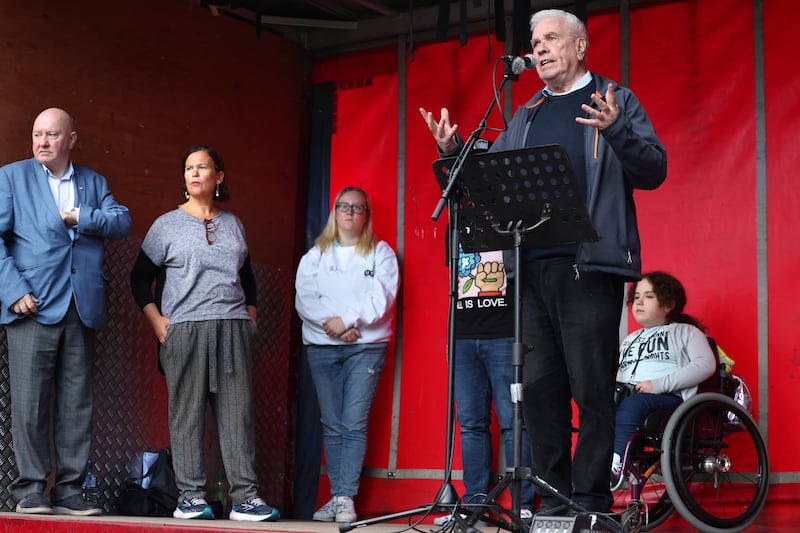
{"x": 693, "y": 66}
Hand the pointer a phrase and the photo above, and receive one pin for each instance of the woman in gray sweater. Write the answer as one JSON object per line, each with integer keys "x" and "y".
{"x": 203, "y": 314}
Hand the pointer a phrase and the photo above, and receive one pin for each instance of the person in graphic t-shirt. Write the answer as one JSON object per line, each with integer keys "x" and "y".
{"x": 664, "y": 361}
{"x": 483, "y": 372}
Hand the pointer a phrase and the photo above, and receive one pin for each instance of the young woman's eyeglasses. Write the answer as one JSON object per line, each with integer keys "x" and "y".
{"x": 210, "y": 228}
{"x": 344, "y": 207}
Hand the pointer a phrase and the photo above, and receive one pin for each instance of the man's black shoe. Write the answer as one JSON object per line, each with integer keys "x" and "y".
{"x": 75, "y": 505}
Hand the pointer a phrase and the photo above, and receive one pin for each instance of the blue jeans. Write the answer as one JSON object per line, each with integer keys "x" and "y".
{"x": 633, "y": 411}
{"x": 345, "y": 378}
{"x": 483, "y": 371}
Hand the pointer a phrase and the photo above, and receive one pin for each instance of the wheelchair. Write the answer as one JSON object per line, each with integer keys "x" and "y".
{"x": 706, "y": 459}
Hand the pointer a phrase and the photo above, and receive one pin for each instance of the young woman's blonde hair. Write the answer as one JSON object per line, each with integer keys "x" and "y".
{"x": 329, "y": 235}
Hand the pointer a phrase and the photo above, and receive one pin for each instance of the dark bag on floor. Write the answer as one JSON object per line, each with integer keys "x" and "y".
{"x": 160, "y": 496}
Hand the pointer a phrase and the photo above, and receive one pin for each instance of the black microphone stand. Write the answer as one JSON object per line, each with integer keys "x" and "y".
{"x": 458, "y": 164}
{"x": 447, "y": 497}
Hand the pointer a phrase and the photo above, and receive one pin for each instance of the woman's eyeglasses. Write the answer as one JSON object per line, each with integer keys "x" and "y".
{"x": 344, "y": 207}
{"x": 210, "y": 228}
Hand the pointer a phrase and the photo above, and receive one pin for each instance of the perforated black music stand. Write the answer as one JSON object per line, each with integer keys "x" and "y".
{"x": 507, "y": 200}
{"x": 500, "y": 190}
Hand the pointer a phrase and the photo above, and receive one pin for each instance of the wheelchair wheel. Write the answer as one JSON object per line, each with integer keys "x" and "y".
{"x": 715, "y": 464}
{"x": 652, "y": 507}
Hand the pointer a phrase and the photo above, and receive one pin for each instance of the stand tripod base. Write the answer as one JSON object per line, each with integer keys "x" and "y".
{"x": 494, "y": 514}
{"x": 419, "y": 511}
{"x": 447, "y": 495}
{"x": 446, "y": 499}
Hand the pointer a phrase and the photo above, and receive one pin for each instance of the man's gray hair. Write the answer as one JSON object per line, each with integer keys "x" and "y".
{"x": 576, "y": 27}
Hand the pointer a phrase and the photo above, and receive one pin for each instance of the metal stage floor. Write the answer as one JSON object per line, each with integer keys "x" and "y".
{"x": 777, "y": 517}
{"x": 780, "y": 515}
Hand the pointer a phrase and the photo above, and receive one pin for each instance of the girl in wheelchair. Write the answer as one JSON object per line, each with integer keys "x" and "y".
{"x": 660, "y": 364}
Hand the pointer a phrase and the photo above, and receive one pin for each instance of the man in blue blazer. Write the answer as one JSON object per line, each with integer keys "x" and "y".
{"x": 54, "y": 219}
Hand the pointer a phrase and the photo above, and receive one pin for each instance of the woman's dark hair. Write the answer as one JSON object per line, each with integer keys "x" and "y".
{"x": 219, "y": 166}
{"x": 669, "y": 292}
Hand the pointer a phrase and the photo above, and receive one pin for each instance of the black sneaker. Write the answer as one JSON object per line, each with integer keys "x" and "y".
{"x": 34, "y": 504}
{"x": 75, "y": 505}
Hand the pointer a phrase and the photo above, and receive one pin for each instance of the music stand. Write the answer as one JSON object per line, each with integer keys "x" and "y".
{"x": 517, "y": 199}
{"x": 500, "y": 189}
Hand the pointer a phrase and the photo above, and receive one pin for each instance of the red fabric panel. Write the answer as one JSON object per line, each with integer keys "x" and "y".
{"x": 604, "y": 45}
{"x": 345, "y": 68}
{"x": 700, "y": 224}
{"x": 364, "y": 153}
{"x": 364, "y": 149}
{"x": 783, "y": 230}
{"x": 459, "y": 78}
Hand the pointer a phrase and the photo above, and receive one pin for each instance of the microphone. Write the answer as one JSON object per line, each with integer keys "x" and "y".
{"x": 518, "y": 64}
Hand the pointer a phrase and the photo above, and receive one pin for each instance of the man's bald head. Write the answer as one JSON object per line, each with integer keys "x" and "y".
{"x": 53, "y": 137}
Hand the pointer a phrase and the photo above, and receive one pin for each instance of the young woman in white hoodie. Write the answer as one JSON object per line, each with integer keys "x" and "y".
{"x": 346, "y": 288}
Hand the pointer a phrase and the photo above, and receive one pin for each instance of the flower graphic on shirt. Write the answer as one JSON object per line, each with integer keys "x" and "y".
{"x": 466, "y": 264}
